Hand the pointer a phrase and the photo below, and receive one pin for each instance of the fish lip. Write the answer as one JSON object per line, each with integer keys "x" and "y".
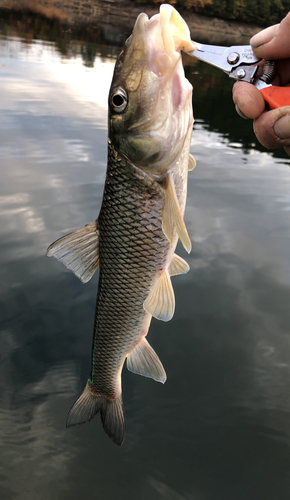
{"x": 160, "y": 42}
{"x": 170, "y": 35}
{"x": 160, "y": 56}
{"x": 140, "y": 22}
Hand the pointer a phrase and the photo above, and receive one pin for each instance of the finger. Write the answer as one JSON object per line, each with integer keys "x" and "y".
{"x": 273, "y": 42}
{"x": 272, "y": 128}
{"x": 283, "y": 72}
{"x": 248, "y": 99}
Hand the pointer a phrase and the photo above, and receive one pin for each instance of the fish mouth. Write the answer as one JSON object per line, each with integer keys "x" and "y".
{"x": 164, "y": 36}
{"x": 158, "y": 40}
{"x": 167, "y": 34}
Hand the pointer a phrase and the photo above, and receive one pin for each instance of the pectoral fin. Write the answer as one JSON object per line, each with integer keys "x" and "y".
{"x": 143, "y": 360}
{"x": 191, "y": 162}
{"x": 172, "y": 217}
{"x": 178, "y": 266}
{"x": 160, "y": 302}
{"x": 79, "y": 251}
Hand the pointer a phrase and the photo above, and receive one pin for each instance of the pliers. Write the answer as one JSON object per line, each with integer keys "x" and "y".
{"x": 240, "y": 63}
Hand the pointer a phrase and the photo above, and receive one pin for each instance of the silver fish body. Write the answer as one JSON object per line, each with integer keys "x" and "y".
{"x": 132, "y": 251}
{"x": 134, "y": 238}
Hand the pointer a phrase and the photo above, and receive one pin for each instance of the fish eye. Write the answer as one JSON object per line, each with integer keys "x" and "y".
{"x": 119, "y": 100}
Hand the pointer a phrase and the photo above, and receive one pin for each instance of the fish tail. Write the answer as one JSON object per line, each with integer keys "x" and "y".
{"x": 90, "y": 403}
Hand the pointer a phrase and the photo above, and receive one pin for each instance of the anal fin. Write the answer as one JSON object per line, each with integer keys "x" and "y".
{"x": 178, "y": 266}
{"x": 78, "y": 251}
{"x": 172, "y": 217}
{"x": 143, "y": 360}
{"x": 160, "y": 302}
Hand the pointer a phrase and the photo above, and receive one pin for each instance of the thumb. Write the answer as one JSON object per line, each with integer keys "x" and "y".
{"x": 273, "y": 42}
{"x": 272, "y": 128}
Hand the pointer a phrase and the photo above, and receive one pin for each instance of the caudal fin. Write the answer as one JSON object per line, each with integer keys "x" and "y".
{"x": 112, "y": 416}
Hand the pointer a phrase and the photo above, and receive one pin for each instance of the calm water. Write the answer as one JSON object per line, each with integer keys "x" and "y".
{"x": 219, "y": 428}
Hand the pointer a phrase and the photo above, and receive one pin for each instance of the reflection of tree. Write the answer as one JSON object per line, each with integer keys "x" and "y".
{"x": 88, "y": 53}
{"x": 70, "y": 40}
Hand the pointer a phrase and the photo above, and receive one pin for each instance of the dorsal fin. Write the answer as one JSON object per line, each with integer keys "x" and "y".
{"x": 78, "y": 251}
{"x": 172, "y": 217}
{"x": 160, "y": 302}
{"x": 178, "y": 266}
{"x": 143, "y": 360}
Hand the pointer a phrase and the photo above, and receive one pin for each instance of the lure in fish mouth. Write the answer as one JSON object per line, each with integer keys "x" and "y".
{"x": 141, "y": 218}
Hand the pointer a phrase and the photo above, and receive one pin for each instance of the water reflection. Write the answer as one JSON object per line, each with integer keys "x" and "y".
{"x": 69, "y": 40}
{"x": 219, "y": 427}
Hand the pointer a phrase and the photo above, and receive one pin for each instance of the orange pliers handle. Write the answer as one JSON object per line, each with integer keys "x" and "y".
{"x": 276, "y": 96}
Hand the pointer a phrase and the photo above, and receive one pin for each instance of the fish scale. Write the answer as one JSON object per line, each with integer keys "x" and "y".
{"x": 123, "y": 288}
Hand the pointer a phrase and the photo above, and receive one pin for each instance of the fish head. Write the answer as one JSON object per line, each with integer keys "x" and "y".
{"x": 150, "y": 100}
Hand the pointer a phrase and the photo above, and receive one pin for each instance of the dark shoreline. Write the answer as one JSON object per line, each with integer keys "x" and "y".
{"x": 123, "y": 13}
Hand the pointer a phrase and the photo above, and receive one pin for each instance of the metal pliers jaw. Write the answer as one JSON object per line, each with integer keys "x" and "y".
{"x": 236, "y": 61}
{"x": 240, "y": 63}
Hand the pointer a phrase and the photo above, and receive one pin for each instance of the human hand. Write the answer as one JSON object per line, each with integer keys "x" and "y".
{"x": 272, "y": 128}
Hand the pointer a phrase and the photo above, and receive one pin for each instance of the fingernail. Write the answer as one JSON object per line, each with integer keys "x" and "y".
{"x": 264, "y": 36}
{"x": 240, "y": 113}
{"x": 282, "y": 127}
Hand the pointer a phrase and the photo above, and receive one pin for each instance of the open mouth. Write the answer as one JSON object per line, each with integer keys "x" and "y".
{"x": 160, "y": 117}
{"x": 169, "y": 34}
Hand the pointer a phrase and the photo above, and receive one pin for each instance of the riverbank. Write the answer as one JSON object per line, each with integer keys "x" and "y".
{"x": 123, "y": 13}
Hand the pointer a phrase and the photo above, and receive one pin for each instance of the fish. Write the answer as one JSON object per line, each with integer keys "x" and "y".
{"x": 133, "y": 240}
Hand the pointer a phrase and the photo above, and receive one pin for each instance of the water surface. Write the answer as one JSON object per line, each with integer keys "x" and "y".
{"x": 219, "y": 428}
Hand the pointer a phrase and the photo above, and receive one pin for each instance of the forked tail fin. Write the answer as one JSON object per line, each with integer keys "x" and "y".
{"x": 112, "y": 416}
